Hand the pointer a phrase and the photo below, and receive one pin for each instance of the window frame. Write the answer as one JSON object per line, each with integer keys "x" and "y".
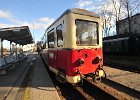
{"x": 57, "y": 35}
{"x": 53, "y": 37}
{"x": 97, "y": 27}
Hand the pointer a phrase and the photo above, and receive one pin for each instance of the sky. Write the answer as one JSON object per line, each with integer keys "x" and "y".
{"x": 37, "y": 14}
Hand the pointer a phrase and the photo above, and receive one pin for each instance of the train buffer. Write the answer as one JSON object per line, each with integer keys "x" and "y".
{"x": 29, "y": 80}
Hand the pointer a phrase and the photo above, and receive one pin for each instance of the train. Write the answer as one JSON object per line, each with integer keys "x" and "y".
{"x": 72, "y": 46}
{"x": 122, "y": 45}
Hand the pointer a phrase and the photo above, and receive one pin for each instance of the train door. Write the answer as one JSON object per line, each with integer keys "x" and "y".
{"x": 61, "y": 53}
{"x": 51, "y": 49}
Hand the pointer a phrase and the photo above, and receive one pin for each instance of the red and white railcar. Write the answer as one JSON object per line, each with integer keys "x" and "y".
{"x": 74, "y": 45}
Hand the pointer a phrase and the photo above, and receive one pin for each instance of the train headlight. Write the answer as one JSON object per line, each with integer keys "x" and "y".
{"x": 81, "y": 61}
{"x": 98, "y": 59}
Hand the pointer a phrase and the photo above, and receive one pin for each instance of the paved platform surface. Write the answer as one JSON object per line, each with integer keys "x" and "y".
{"x": 126, "y": 78}
{"x": 42, "y": 87}
{"x": 10, "y": 83}
{"x": 13, "y": 84}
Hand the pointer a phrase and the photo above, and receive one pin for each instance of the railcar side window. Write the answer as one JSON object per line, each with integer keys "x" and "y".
{"x": 51, "y": 39}
{"x": 86, "y": 33}
{"x": 59, "y": 35}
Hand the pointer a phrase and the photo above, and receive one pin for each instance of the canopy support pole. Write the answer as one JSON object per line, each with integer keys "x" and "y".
{"x": 10, "y": 47}
{"x": 16, "y": 52}
{"x": 1, "y": 48}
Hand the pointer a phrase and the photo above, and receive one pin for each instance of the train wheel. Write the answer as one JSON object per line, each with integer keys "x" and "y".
{"x": 94, "y": 78}
{"x": 81, "y": 78}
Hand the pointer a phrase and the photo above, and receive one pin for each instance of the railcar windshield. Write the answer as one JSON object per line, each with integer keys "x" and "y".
{"x": 86, "y": 33}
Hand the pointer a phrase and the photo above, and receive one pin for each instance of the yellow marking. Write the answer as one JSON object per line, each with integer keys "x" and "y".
{"x": 27, "y": 93}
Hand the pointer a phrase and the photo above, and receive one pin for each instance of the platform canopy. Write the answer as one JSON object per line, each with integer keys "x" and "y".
{"x": 20, "y": 35}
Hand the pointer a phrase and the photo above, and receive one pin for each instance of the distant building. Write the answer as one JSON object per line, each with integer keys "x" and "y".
{"x": 28, "y": 47}
{"x": 135, "y": 25}
{"x": 124, "y": 43}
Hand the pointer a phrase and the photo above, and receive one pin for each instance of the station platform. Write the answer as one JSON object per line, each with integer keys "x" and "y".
{"x": 42, "y": 87}
{"x": 11, "y": 82}
{"x": 29, "y": 80}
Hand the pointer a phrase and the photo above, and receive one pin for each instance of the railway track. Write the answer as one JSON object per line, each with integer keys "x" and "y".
{"x": 87, "y": 91}
{"x": 91, "y": 91}
{"x": 113, "y": 91}
{"x": 121, "y": 88}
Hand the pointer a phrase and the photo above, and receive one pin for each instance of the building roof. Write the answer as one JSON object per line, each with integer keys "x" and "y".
{"x": 20, "y": 35}
{"x": 122, "y": 20}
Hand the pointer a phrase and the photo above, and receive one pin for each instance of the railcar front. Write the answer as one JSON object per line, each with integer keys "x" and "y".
{"x": 75, "y": 45}
{"x": 86, "y": 45}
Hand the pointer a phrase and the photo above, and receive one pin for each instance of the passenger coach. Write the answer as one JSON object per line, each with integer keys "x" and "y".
{"x": 74, "y": 46}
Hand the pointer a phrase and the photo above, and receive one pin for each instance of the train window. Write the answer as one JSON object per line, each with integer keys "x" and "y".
{"x": 86, "y": 33}
{"x": 51, "y": 39}
{"x": 59, "y": 35}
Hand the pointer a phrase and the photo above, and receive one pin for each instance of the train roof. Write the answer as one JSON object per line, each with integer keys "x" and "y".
{"x": 76, "y": 11}
{"x": 81, "y": 12}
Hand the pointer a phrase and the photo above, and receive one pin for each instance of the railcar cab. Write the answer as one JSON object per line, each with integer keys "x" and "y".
{"x": 75, "y": 44}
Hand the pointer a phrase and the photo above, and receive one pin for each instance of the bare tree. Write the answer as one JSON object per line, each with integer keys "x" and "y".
{"x": 106, "y": 18}
{"x": 130, "y": 6}
{"x": 111, "y": 11}
{"x": 117, "y": 12}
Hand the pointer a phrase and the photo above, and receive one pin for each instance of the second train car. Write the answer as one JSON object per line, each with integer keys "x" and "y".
{"x": 74, "y": 46}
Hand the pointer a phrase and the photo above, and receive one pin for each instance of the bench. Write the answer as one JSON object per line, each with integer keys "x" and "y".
{"x": 3, "y": 66}
{"x": 2, "y": 63}
{"x": 8, "y": 61}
